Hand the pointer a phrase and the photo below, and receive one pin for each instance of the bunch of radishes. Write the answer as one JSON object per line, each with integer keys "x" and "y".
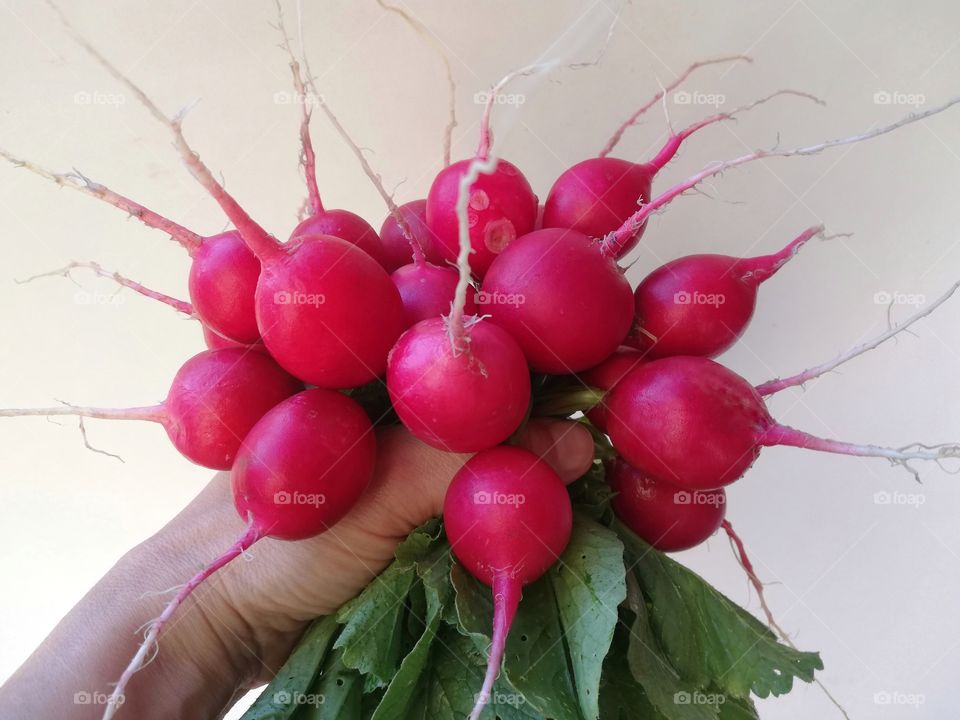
{"x": 451, "y": 307}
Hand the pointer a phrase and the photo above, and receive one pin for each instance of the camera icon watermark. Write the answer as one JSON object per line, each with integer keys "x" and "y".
{"x": 899, "y": 498}
{"x": 896, "y": 297}
{"x": 897, "y": 697}
{"x": 685, "y": 297}
{"x": 84, "y": 697}
{"x": 290, "y": 98}
{"x": 295, "y": 297}
{"x": 695, "y": 97}
{"x": 897, "y": 97}
{"x": 484, "y": 297}
{"x": 684, "y": 697}
{"x": 299, "y": 699}
{"x": 283, "y": 497}
{"x": 483, "y": 497}
{"x": 484, "y": 97}
{"x": 95, "y": 97}
{"x": 684, "y": 497}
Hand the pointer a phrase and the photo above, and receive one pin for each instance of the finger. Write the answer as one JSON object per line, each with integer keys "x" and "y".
{"x": 566, "y": 445}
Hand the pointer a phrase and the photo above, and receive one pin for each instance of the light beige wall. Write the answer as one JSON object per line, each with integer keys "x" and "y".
{"x": 873, "y": 586}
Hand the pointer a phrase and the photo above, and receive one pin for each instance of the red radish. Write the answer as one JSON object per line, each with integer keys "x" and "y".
{"x": 460, "y": 401}
{"x": 347, "y": 226}
{"x": 300, "y": 470}
{"x": 668, "y": 518}
{"x": 701, "y": 304}
{"x": 223, "y": 272}
{"x": 566, "y": 304}
{"x": 304, "y": 465}
{"x": 223, "y": 279}
{"x": 597, "y": 195}
{"x": 693, "y": 423}
{"x": 214, "y": 400}
{"x": 502, "y": 207}
{"x": 396, "y": 245}
{"x": 508, "y": 518}
{"x": 607, "y": 374}
{"x": 428, "y": 290}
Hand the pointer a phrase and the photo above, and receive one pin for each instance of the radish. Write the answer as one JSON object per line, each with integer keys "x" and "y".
{"x": 566, "y": 303}
{"x": 607, "y": 374}
{"x": 223, "y": 272}
{"x": 213, "y": 401}
{"x": 508, "y": 518}
{"x": 597, "y": 195}
{"x": 701, "y": 304}
{"x": 218, "y": 342}
{"x": 459, "y": 401}
{"x": 345, "y": 225}
{"x": 396, "y": 245}
{"x": 693, "y": 423}
{"x": 300, "y": 470}
{"x": 427, "y": 291}
{"x": 668, "y": 518}
{"x": 502, "y": 208}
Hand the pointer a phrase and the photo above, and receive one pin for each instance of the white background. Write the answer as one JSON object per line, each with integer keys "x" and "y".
{"x": 873, "y": 587}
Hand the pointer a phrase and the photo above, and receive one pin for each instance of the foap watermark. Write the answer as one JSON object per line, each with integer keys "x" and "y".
{"x": 85, "y": 297}
{"x": 683, "y": 297}
{"x": 898, "y": 97}
{"x": 95, "y": 97}
{"x": 85, "y": 697}
{"x": 285, "y": 697}
{"x": 898, "y": 697}
{"x": 295, "y": 297}
{"x": 696, "y": 97}
{"x": 899, "y": 498}
{"x": 896, "y": 297}
{"x": 683, "y": 497}
{"x": 482, "y": 497}
{"x": 484, "y": 96}
{"x": 698, "y": 698}
{"x": 282, "y": 497}
{"x": 291, "y": 98}
{"x": 499, "y": 298}
{"x": 500, "y": 698}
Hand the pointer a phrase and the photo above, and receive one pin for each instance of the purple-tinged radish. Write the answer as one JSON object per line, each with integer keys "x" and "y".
{"x": 508, "y": 518}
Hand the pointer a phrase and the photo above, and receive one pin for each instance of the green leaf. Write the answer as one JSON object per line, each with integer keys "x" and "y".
{"x": 420, "y": 542}
{"x": 589, "y": 585}
{"x": 535, "y": 661}
{"x": 738, "y": 709}
{"x": 709, "y": 639}
{"x": 621, "y": 696}
{"x": 297, "y": 673}
{"x": 401, "y": 692}
{"x": 674, "y": 698}
{"x": 373, "y": 621}
{"x": 336, "y": 693}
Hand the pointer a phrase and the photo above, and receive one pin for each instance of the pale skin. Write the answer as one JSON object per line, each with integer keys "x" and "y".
{"x": 237, "y": 630}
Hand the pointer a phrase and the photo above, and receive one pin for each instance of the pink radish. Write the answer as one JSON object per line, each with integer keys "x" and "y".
{"x": 345, "y": 225}
{"x": 300, "y": 470}
{"x": 460, "y": 401}
{"x": 508, "y": 518}
{"x": 597, "y": 195}
{"x": 214, "y": 400}
{"x": 607, "y": 374}
{"x": 427, "y": 291}
{"x": 566, "y": 304}
{"x": 701, "y": 304}
{"x": 396, "y": 245}
{"x": 223, "y": 272}
{"x": 691, "y": 422}
{"x": 502, "y": 207}
{"x": 668, "y": 518}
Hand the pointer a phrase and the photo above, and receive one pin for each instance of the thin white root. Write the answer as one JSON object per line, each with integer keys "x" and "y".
{"x": 776, "y": 385}
{"x": 88, "y": 446}
{"x": 424, "y": 32}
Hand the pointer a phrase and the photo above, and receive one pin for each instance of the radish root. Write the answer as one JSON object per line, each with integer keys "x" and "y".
{"x": 773, "y": 386}
{"x": 632, "y": 120}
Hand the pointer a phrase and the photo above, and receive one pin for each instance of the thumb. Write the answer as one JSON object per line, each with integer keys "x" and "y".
{"x": 565, "y": 445}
